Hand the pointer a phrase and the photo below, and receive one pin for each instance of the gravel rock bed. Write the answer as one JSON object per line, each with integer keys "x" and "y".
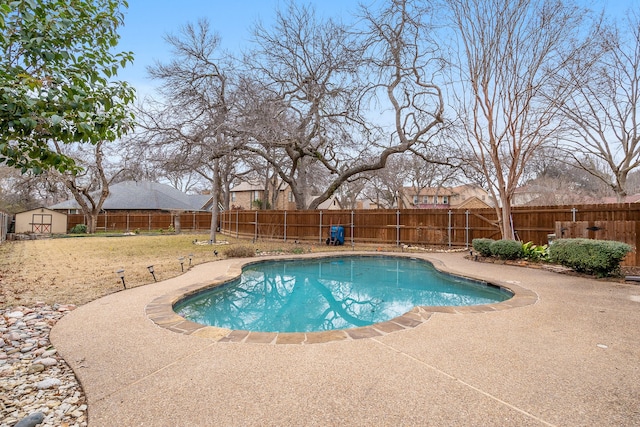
{"x": 37, "y": 387}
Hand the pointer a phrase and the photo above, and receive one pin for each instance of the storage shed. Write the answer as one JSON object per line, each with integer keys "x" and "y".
{"x": 41, "y": 221}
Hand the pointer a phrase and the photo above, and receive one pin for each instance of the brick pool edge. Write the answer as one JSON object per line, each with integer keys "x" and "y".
{"x": 160, "y": 310}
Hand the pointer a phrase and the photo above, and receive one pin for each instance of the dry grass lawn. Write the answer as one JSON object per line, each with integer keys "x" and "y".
{"x": 76, "y": 270}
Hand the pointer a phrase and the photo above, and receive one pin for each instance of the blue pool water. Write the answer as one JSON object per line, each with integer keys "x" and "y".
{"x": 330, "y": 293}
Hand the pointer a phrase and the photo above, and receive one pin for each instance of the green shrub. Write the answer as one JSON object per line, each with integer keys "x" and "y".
{"x": 240, "y": 252}
{"x": 79, "y": 229}
{"x": 506, "y": 249}
{"x": 534, "y": 252}
{"x": 482, "y": 246}
{"x": 599, "y": 257}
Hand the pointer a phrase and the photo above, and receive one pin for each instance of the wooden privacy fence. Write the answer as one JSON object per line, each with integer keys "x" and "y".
{"x": 416, "y": 226}
{"x": 441, "y": 227}
{"x": 108, "y": 221}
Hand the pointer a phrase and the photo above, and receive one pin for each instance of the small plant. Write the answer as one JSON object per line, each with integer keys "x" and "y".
{"x": 535, "y": 252}
{"x": 137, "y": 231}
{"x": 171, "y": 229}
{"x": 79, "y": 229}
{"x": 482, "y": 246}
{"x": 240, "y": 252}
{"x": 297, "y": 251}
{"x": 506, "y": 249}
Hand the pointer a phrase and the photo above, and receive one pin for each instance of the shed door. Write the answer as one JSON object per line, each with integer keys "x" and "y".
{"x": 41, "y": 223}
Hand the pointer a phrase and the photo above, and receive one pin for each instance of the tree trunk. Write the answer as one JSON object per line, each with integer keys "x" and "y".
{"x": 214, "y": 201}
{"x": 508, "y": 232}
{"x": 92, "y": 222}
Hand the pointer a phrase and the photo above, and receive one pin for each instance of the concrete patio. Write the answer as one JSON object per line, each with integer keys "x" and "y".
{"x": 570, "y": 357}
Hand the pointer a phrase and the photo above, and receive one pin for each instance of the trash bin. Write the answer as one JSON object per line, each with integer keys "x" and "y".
{"x": 336, "y": 235}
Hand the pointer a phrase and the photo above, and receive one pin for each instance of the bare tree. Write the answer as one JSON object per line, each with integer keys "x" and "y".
{"x": 19, "y": 192}
{"x": 384, "y": 186}
{"x": 189, "y": 125}
{"x": 89, "y": 186}
{"x": 605, "y": 109}
{"x": 299, "y": 95}
{"x": 350, "y": 192}
{"x": 510, "y": 54}
{"x": 553, "y": 178}
{"x": 319, "y": 83}
{"x": 435, "y": 166}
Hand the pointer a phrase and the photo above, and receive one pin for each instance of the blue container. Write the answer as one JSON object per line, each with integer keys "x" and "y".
{"x": 336, "y": 237}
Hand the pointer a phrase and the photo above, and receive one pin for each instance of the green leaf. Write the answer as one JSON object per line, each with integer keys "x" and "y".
{"x": 59, "y": 74}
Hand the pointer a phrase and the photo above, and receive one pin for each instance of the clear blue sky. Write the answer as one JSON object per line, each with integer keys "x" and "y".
{"x": 147, "y": 21}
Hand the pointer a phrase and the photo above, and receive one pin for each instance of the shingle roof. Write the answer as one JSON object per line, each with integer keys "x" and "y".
{"x": 130, "y": 195}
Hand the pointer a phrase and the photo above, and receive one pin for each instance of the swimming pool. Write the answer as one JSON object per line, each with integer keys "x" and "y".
{"x": 329, "y": 293}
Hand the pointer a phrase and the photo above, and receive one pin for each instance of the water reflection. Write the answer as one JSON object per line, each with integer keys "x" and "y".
{"x": 330, "y": 293}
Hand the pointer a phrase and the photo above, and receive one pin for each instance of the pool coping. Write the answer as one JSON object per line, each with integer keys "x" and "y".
{"x": 160, "y": 310}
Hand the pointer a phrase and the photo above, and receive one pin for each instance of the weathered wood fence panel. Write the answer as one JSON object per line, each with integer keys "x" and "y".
{"x": 442, "y": 227}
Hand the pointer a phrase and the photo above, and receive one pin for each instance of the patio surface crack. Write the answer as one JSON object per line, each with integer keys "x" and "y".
{"x": 151, "y": 374}
{"x": 466, "y": 384}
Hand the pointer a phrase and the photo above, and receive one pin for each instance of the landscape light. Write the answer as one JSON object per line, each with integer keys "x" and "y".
{"x": 120, "y": 274}
{"x": 181, "y": 259}
{"x": 190, "y": 258}
{"x": 215, "y": 252}
{"x": 150, "y": 268}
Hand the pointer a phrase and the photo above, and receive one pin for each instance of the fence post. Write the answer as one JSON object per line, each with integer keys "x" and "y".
{"x": 573, "y": 214}
{"x": 352, "y": 229}
{"x": 4, "y": 226}
{"x": 449, "y": 227}
{"x": 398, "y": 228}
{"x": 466, "y": 228}
{"x": 127, "y": 221}
{"x": 149, "y": 221}
{"x": 320, "y": 233}
{"x": 255, "y": 233}
{"x": 237, "y": 219}
{"x": 285, "y": 226}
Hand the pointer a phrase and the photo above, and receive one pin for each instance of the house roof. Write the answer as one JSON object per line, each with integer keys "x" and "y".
{"x": 255, "y": 186}
{"x": 39, "y": 208}
{"x": 634, "y": 198}
{"x": 331, "y": 203}
{"x": 472, "y": 203}
{"x": 129, "y": 195}
{"x": 248, "y": 186}
{"x": 429, "y": 191}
